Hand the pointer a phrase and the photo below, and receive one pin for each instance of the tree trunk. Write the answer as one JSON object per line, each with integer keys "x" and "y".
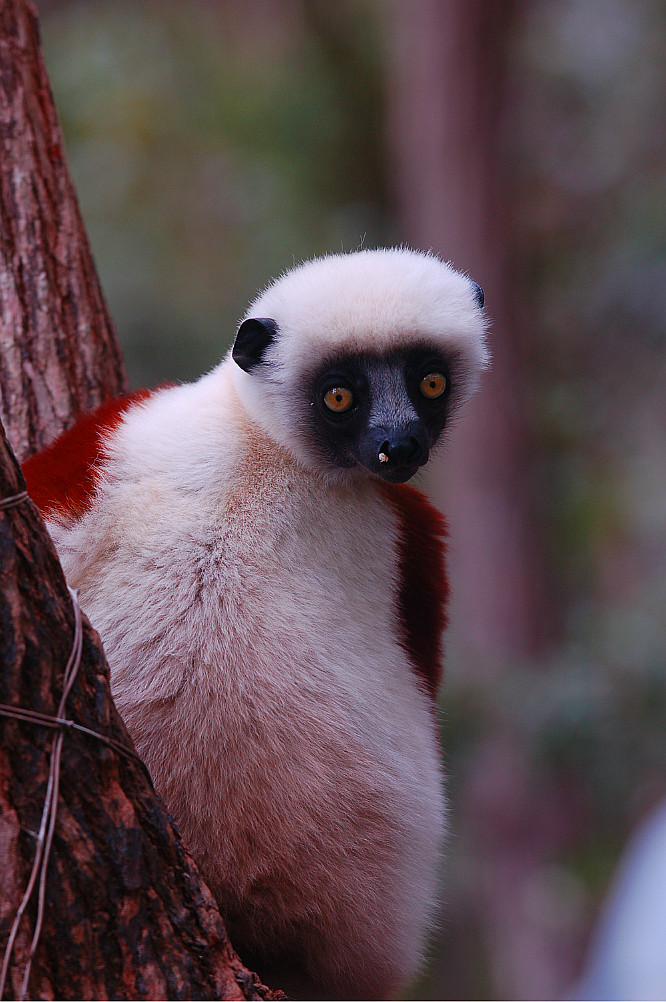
{"x": 121, "y": 911}
{"x": 445, "y": 119}
{"x": 59, "y": 355}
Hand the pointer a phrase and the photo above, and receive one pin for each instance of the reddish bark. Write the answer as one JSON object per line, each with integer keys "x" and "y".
{"x": 59, "y": 353}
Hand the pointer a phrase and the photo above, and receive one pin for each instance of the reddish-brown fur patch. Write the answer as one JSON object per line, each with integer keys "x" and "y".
{"x": 424, "y": 588}
{"x": 61, "y": 479}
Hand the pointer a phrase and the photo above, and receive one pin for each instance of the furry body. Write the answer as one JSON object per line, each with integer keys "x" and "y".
{"x": 273, "y": 628}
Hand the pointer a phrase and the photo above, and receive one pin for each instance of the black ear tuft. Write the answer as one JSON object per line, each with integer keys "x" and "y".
{"x": 253, "y": 338}
{"x": 478, "y": 293}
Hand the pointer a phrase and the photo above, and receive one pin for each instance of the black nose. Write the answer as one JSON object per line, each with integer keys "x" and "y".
{"x": 404, "y": 447}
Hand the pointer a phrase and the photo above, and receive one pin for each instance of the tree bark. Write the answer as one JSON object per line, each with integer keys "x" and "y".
{"x": 127, "y": 914}
{"x": 59, "y": 354}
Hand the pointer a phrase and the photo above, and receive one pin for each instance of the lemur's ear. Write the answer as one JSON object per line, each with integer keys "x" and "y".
{"x": 254, "y": 337}
{"x": 477, "y": 292}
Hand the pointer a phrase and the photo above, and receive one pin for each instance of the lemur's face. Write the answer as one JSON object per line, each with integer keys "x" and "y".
{"x": 382, "y": 413}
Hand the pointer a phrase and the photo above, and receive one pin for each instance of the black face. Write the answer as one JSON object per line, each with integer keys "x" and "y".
{"x": 384, "y": 413}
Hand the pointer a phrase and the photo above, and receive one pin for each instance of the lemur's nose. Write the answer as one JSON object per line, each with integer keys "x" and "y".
{"x": 404, "y": 447}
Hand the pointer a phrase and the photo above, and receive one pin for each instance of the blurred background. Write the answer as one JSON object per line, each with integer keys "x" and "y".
{"x": 214, "y": 144}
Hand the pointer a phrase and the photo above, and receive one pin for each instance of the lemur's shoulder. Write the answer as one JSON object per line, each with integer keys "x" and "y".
{"x": 61, "y": 479}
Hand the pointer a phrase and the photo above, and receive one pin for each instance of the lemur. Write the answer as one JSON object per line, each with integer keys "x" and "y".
{"x": 271, "y": 597}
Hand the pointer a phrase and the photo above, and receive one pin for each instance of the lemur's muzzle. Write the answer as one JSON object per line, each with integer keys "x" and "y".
{"x": 395, "y": 454}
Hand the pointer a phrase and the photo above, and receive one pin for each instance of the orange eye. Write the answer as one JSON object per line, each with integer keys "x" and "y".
{"x": 433, "y": 385}
{"x": 338, "y": 399}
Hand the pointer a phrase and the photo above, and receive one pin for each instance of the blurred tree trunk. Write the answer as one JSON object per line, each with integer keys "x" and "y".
{"x": 448, "y": 87}
{"x": 445, "y": 115}
{"x": 126, "y": 913}
{"x": 59, "y": 355}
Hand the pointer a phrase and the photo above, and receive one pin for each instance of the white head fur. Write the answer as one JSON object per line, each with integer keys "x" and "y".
{"x": 370, "y": 301}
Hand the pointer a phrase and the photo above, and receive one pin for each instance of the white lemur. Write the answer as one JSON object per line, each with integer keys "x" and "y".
{"x": 271, "y": 598}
